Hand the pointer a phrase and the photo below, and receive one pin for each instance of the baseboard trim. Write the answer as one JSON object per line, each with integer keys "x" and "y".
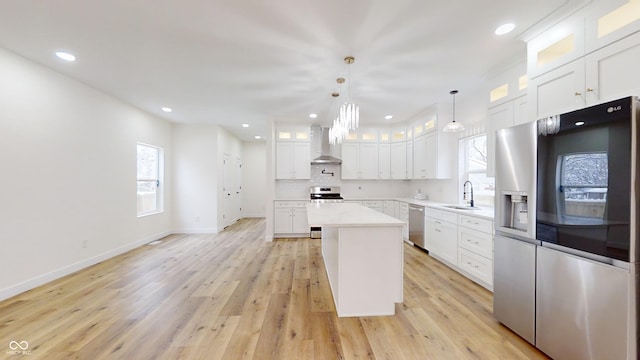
{"x": 195, "y": 231}
{"x": 61, "y": 272}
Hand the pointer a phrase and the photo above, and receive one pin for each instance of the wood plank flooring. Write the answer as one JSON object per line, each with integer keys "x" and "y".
{"x": 234, "y": 296}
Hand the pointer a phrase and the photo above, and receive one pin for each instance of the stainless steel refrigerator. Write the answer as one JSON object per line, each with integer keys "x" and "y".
{"x": 566, "y": 243}
{"x": 514, "y": 241}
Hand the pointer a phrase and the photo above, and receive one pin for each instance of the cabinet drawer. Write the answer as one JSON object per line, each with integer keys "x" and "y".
{"x": 403, "y": 206}
{"x": 373, "y": 203}
{"x": 475, "y": 241}
{"x": 446, "y": 216}
{"x": 290, "y": 203}
{"x": 475, "y": 223}
{"x": 476, "y": 265}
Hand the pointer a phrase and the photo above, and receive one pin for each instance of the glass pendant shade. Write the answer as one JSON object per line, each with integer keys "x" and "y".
{"x": 453, "y": 126}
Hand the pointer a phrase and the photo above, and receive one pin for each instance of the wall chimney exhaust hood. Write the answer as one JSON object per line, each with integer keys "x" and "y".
{"x": 325, "y": 157}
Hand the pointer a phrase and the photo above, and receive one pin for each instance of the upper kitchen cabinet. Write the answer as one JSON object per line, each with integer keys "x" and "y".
{"x": 508, "y": 85}
{"x": 602, "y": 75}
{"x": 293, "y": 153}
{"x": 360, "y": 154}
{"x": 432, "y": 148}
{"x": 586, "y": 60}
{"x": 398, "y": 166}
{"x": 610, "y": 21}
{"x": 559, "y": 45}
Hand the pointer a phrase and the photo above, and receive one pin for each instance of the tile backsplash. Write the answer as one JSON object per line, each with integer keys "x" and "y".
{"x": 356, "y": 189}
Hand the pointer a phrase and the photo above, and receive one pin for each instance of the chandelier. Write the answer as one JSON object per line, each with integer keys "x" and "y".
{"x": 349, "y": 115}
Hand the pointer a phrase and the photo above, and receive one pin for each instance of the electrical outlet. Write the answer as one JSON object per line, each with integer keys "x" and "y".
{"x": 197, "y": 219}
{"x": 85, "y": 243}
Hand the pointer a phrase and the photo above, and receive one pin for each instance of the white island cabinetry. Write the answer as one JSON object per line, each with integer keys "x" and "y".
{"x": 363, "y": 255}
{"x": 290, "y": 218}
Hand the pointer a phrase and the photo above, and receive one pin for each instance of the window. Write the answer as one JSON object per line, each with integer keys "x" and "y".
{"x": 149, "y": 176}
{"x": 474, "y": 155}
{"x": 584, "y": 181}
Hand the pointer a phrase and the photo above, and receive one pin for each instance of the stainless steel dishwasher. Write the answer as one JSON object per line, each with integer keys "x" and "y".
{"x": 416, "y": 225}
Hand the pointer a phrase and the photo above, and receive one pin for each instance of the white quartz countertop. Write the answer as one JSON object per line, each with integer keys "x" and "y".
{"x": 347, "y": 215}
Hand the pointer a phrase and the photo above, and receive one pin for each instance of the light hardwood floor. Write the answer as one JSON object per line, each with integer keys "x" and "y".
{"x": 234, "y": 296}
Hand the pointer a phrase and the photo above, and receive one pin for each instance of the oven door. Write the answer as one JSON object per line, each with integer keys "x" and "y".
{"x": 584, "y": 179}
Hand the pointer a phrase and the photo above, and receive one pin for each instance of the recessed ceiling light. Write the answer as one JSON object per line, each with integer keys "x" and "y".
{"x": 257, "y": 137}
{"x": 313, "y": 116}
{"x": 388, "y": 117}
{"x": 65, "y": 56}
{"x": 245, "y": 125}
{"x": 504, "y": 29}
{"x": 167, "y": 109}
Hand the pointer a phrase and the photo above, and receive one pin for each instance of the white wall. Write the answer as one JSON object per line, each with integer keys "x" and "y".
{"x": 68, "y": 184}
{"x": 195, "y": 178}
{"x": 254, "y": 181}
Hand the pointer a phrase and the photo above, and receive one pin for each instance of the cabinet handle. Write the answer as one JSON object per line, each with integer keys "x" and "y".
{"x": 476, "y": 242}
{"x": 578, "y": 93}
{"x": 438, "y": 230}
{"x": 589, "y": 90}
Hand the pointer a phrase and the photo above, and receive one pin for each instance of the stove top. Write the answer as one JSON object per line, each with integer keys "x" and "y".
{"x": 324, "y": 194}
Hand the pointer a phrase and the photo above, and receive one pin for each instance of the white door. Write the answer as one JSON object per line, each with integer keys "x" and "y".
{"x": 237, "y": 196}
{"x": 228, "y": 173}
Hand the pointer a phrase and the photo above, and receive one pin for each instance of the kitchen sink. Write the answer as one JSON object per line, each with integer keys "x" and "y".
{"x": 462, "y": 207}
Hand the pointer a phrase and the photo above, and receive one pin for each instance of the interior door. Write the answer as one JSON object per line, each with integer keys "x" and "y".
{"x": 228, "y": 173}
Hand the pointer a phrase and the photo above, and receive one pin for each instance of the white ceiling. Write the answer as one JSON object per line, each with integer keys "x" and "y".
{"x": 230, "y": 62}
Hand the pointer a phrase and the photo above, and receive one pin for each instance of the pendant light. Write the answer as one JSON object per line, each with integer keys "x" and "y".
{"x": 453, "y": 126}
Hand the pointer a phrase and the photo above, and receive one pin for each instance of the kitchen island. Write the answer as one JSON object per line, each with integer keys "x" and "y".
{"x": 364, "y": 257}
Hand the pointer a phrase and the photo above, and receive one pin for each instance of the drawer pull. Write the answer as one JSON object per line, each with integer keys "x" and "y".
{"x": 438, "y": 230}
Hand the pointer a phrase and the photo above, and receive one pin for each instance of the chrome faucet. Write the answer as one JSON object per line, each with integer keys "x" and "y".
{"x": 464, "y": 192}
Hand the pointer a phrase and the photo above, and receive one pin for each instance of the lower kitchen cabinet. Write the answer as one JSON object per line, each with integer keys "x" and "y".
{"x": 463, "y": 242}
{"x": 403, "y": 214}
{"x": 441, "y": 235}
{"x": 290, "y": 218}
{"x": 475, "y": 255}
{"x": 377, "y": 205}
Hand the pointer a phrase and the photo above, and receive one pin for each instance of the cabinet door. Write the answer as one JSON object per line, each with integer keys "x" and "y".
{"x": 557, "y": 91}
{"x": 500, "y": 117}
{"x": 611, "y": 72}
{"x": 350, "y": 161}
{"x": 420, "y": 157}
{"x": 368, "y": 161}
{"x": 282, "y": 221}
{"x": 442, "y": 239}
{"x": 520, "y": 113}
{"x": 431, "y": 154}
{"x": 609, "y": 21}
{"x": 399, "y": 160}
{"x": 384, "y": 161}
{"x": 301, "y": 159}
{"x": 410, "y": 159}
{"x": 283, "y": 160}
{"x": 299, "y": 223}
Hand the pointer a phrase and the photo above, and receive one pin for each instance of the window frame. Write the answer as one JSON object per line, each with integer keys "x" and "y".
{"x": 487, "y": 196}
{"x": 158, "y": 179}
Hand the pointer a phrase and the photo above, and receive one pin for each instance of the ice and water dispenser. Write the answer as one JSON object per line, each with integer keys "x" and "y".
{"x": 515, "y": 214}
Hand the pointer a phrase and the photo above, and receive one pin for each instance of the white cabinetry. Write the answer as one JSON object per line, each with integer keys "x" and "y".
{"x": 403, "y": 214}
{"x": 293, "y": 152}
{"x": 293, "y": 160}
{"x": 359, "y": 160}
{"x": 399, "y": 160}
{"x": 384, "y": 161}
{"x": 475, "y": 255}
{"x": 390, "y": 207}
{"x": 571, "y": 67}
{"x": 441, "y": 235}
{"x": 377, "y": 205}
{"x": 432, "y": 148}
{"x": 290, "y": 217}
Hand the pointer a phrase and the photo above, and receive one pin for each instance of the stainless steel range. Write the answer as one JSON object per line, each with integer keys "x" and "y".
{"x": 323, "y": 194}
